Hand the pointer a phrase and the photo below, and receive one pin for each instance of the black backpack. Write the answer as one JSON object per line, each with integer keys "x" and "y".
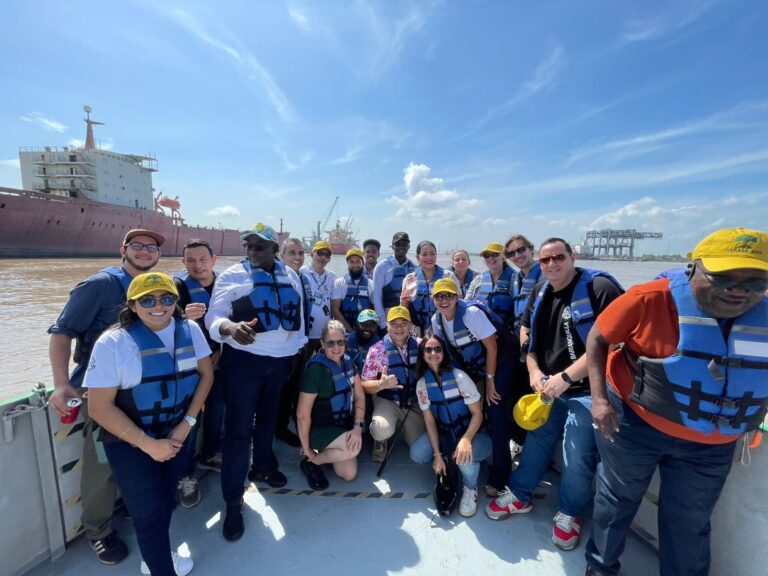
{"x": 446, "y": 491}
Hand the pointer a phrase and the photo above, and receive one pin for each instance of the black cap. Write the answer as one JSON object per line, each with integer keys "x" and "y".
{"x": 372, "y": 241}
{"x": 400, "y": 236}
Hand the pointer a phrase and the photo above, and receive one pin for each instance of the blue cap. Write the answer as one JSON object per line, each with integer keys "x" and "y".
{"x": 262, "y": 231}
{"x": 367, "y": 315}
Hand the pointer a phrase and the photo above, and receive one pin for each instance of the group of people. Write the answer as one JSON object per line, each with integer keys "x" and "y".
{"x": 669, "y": 374}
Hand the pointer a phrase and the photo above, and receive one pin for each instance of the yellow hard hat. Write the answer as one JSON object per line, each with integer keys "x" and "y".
{"x": 532, "y": 411}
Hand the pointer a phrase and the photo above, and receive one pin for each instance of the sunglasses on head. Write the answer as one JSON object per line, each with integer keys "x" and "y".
{"x": 139, "y": 246}
{"x": 550, "y": 259}
{"x": 444, "y": 296}
{"x": 149, "y": 301}
{"x": 334, "y": 343}
{"x": 433, "y": 349}
{"x": 725, "y": 282}
{"x": 515, "y": 251}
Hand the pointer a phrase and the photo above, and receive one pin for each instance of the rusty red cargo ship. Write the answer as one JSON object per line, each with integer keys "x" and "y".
{"x": 82, "y": 201}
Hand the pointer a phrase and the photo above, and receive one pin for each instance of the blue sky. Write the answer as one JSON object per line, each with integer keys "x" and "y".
{"x": 460, "y": 122}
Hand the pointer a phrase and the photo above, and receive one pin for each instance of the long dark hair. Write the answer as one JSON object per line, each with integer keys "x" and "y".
{"x": 421, "y": 363}
{"x": 128, "y": 316}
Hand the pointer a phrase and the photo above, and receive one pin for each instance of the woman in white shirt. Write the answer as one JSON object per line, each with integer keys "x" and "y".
{"x": 147, "y": 380}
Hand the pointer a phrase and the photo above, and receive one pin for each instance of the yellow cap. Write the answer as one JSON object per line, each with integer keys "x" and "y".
{"x": 322, "y": 245}
{"x": 398, "y": 312}
{"x": 444, "y": 285}
{"x": 530, "y": 412}
{"x": 355, "y": 252}
{"x": 149, "y": 282}
{"x": 492, "y": 248}
{"x": 732, "y": 248}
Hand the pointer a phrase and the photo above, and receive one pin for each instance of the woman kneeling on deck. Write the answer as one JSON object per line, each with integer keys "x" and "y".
{"x": 453, "y": 415}
{"x": 330, "y": 392}
{"x": 147, "y": 380}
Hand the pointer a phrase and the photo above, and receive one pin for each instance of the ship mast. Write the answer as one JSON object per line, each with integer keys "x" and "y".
{"x": 90, "y": 142}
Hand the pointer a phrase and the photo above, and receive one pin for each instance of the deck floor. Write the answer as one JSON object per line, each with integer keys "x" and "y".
{"x": 318, "y": 534}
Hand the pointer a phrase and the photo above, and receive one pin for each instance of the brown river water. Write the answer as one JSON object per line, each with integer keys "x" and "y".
{"x": 32, "y": 293}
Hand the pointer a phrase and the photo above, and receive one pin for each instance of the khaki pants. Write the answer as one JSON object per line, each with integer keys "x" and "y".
{"x": 385, "y": 417}
{"x": 97, "y": 489}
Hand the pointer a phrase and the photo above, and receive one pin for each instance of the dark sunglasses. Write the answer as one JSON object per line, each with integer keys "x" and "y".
{"x": 511, "y": 253}
{"x": 323, "y": 254}
{"x": 334, "y": 343}
{"x": 138, "y": 246}
{"x": 433, "y": 349}
{"x": 724, "y": 282}
{"x": 488, "y": 255}
{"x": 550, "y": 259}
{"x": 255, "y": 247}
{"x": 444, "y": 296}
{"x": 149, "y": 301}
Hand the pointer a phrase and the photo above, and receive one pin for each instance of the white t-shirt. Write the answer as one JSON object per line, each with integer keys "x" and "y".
{"x": 115, "y": 360}
{"x": 474, "y": 319}
{"x": 322, "y": 289}
{"x": 467, "y": 389}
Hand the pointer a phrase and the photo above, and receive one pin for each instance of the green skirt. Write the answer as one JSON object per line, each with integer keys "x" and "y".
{"x": 321, "y": 436}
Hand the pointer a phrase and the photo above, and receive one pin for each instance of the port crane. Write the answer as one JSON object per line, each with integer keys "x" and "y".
{"x": 611, "y": 243}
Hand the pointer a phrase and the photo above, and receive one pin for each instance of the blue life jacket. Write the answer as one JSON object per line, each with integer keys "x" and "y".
{"x": 469, "y": 352}
{"x": 358, "y": 352}
{"x": 356, "y": 299}
{"x": 582, "y": 314}
{"x": 273, "y": 300}
{"x": 498, "y": 297}
{"x": 467, "y": 279}
{"x": 336, "y": 410}
{"x": 671, "y": 273}
{"x": 522, "y": 290}
{"x": 422, "y": 306}
{"x": 390, "y": 293}
{"x": 448, "y": 407}
{"x": 197, "y": 292}
{"x": 709, "y": 383}
{"x": 404, "y": 371}
{"x": 119, "y": 273}
{"x": 160, "y": 400}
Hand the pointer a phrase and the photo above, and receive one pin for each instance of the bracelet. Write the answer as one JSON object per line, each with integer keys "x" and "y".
{"x": 490, "y": 376}
{"x": 124, "y": 432}
{"x": 141, "y": 439}
{"x": 359, "y": 424}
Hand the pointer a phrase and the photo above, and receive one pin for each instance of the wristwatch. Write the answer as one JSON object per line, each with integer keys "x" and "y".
{"x": 359, "y": 424}
{"x": 565, "y": 377}
{"x": 191, "y": 420}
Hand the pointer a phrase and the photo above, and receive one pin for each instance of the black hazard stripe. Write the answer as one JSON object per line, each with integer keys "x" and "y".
{"x": 65, "y": 432}
{"x": 69, "y": 466}
{"x": 352, "y": 494}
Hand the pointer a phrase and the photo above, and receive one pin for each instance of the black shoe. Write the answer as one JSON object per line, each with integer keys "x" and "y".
{"x": 288, "y": 437}
{"x": 233, "y": 526}
{"x": 273, "y": 478}
{"x": 315, "y": 475}
{"x": 110, "y": 549}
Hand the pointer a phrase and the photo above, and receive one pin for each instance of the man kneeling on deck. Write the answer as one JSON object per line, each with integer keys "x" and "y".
{"x": 689, "y": 380}
{"x": 560, "y": 313}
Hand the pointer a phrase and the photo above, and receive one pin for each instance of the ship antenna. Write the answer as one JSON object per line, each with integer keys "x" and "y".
{"x": 90, "y": 142}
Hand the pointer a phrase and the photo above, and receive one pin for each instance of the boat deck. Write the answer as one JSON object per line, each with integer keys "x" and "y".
{"x": 360, "y": 528}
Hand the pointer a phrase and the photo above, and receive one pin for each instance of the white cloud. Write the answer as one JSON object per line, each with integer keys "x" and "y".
{"x": 225, "y": 211}
{"x": 495, "y": 222}
{"x": 391, "y": 39}
{"x": 427, "y": 199}
{"x": 251, "y": 69}
{"x": 12, "y": 163}
{"x": 677, "y": 18}
{"x": 47, "y": 123}
{"x": 299, "y": 18}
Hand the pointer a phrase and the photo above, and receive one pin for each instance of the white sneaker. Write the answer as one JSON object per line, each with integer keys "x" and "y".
{"x": 514, "y": 449}
{"x": 182, "y": 565}
{"x": 468, "y": 504}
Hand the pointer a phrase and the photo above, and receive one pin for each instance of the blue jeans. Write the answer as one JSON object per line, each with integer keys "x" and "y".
{"x": 422, "y": 453}
{"x": 692, "y": 477}
{"x": 149, "y": 493}
{"x": 571, "y": 419}
{"x": 500, "y": 425}
{"x": 252, "y": 387}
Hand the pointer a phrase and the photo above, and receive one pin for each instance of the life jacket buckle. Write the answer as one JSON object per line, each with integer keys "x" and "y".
{"x": 714, "y": 369}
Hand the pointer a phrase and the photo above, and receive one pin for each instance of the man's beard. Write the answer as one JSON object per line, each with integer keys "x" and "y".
{"x": 138, "y": 266}
{"x": 356, "y": 275}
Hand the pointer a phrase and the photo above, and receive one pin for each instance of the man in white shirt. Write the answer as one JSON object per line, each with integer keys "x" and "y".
{"x": 256, "y": 311}
{"x": 321, "y": 288}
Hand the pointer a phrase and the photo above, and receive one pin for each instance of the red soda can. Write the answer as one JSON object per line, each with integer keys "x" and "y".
{"x": 74, "y": 409}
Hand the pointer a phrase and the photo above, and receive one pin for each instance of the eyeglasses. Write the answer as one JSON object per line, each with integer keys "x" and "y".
{"x": 515, "y": 251}
{"x": 150, "y": 301}
{"x": 255, "y": 247}
{"x": 552, "y": 259}
{"x": 724, "y": 282}
{"x": 444, "y": 296}
{"x": 139, "y": 246}
{"x": 334, "y": 343}
{"x": 433, "y": 349}
{"x": 323, "y": 254}
{"x": 489, "y": 255}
